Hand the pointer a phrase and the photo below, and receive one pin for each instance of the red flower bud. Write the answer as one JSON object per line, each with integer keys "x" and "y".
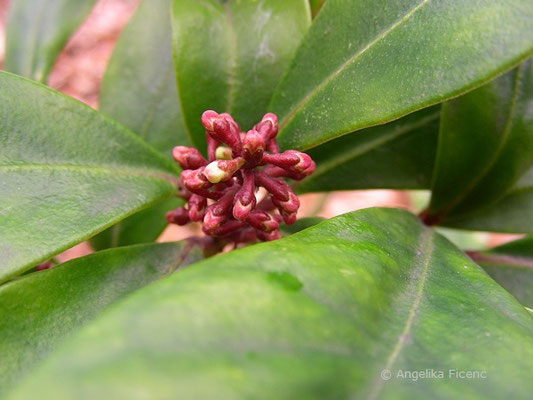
{"x": 188, "y": 157}
{"x": 297, "y": 164}
{"x": 289, "y": 218}
{"x": 212, "y": 221}
{"x": 253, "y": 147}
{"x": 283, "y": 160}
{"x": 218, "y": 212}
{"x": 290, "y": 205}
{"x": 197, "y": 205}
{"x": 231, "y": 177}
{"x": 222, "y": 170}
{"x": 275, "y": 172}
{"x": 268, "y": 236}
{"x": 268, "y": 127}
{"x": 226, "y": 229}
{"x": 208, "y": 119}
{"x": 233, "y": 125}
{"x": 305, "y": 165}
{"x": 245, "y": 198}
{"x": 179, "y": 216}
{"x": 278, "y": 188}
{"x": 272, "y": 118}
{"x": 222, "y": 129}
{"x": 194, "y": 179}
{"x": 306, "y": 172}
{"x": 262, "y": 220}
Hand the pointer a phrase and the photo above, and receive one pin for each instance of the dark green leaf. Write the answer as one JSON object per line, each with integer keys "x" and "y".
{"x": 364, "y": 63}
{"x": 139, "y": 90}
{"x": 511, "y": 265}
{"x": 229, "y": 55}
{"x": 300, "y": 225}
{"x": 513, "y": 213}
{"x": 316, "y": 315}
{"x": 40, "y": 310}
{"x": 37, "y": 30}
{"x": 485, "y": 145}
{"x": 66, "y": 173}
{"x": 143, "y": 227}
{"x": 316, "y": 5}
{"x": 397, "y": 155}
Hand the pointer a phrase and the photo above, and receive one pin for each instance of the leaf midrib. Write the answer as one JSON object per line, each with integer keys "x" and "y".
{"x": 350, "y": 60}
{"x": 34, "y": 41}
{"x": 131, "y": 172}
{"x": 157, "y": 100}
{"x": 501, "y": 146}
{"x": 353, "y": 153}
{"x": 232, "y": 59}
{"x": 423, "y": 254}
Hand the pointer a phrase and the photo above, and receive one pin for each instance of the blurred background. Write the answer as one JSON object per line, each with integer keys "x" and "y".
{"x": 79, "y": 71}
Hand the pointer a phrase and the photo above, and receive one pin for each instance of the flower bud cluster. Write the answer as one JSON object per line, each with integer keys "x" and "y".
{"x": 221, "y": 191}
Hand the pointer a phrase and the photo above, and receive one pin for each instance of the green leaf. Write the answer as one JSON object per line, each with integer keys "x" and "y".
{"x": 66, "y": 173}
{"x": 485, "y": 146}
{"x": 380, "y": 60}
{"x": 37, "y": 30}
{"x": 316, "y": 5}
{"x": 512, "y": 214}
{"x": 143, "y": 227}
{"x": 511, "y": 265}
{"x": 39, "y": 311}
{"x": 300, "y": 225}
{"x": 230, "y": 55}
{"x": 139, "y": 90}
{"x": 397, "y": 155}
{"x": 316, "y": 315}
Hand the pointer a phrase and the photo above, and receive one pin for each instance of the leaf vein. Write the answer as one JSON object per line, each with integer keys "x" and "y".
{"x": 233, "y": 59}
{"x": 424, "y": 253}
{"x": 501, "y": 145}
{"x": 351, "y": 60}
{"x": 356, "y": 152}
{"x": 94, "y": 169}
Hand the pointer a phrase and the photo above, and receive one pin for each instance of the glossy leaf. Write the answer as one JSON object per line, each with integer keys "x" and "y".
{"x": 300, "y": 225}
{"x": 37, "y": 30}
{"x": 316, "y": 5}
{"x": 513, "y": 213}
{"x": 316, "y": 315}
{"x": 143, "y": 227}
{"x": 66, "y": 173}
{"x": 139, "y": 91}
{"x": 397, "y": 155}
{"x": 380, "y": 60}
{"x": 139, "y": 88}
{"x": 40, "y": 310}
{"x": 230, "y": 55}
{"x": 485, "y": 145}
{"x": 511, "y": 265}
